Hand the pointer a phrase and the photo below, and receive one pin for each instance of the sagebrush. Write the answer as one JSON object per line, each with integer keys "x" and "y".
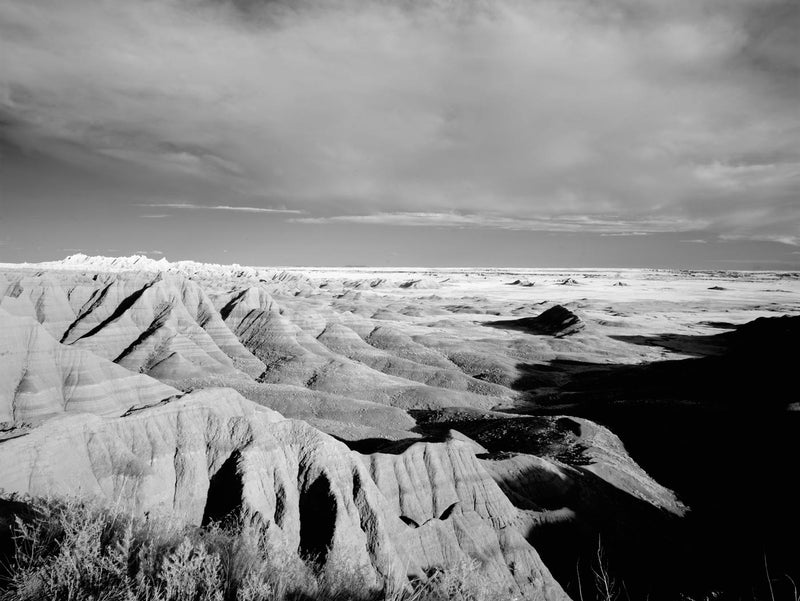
{"x": 75, "y": 550}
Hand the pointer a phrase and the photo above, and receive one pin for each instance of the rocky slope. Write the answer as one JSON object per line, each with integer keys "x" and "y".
{"x": 41, "y": 378}
{"x": 211, "y": 453}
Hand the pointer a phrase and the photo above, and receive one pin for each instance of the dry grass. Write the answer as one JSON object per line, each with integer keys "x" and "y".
{"x": 72, "y": 550}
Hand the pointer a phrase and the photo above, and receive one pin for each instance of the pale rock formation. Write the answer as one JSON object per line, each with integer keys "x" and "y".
{"x": 40, "y": 378}
{"x": 294, "y": 356}
{"x": 401, "y": 344}
{"x": 141, "y": 324}
{"x": 343, "y": 341}
{"x": 148, "y": 323}
{"x": 610, "y": 461}
{"x": 455, "y": 512}
{"x": 42, "y": 297}
{"x": 345, "y": 417}
{"x": 428, "y": 283}
{"x": 202, "y": 456}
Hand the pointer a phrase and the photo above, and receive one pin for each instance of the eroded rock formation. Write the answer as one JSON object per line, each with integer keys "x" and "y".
{"x": 212, "y": 452}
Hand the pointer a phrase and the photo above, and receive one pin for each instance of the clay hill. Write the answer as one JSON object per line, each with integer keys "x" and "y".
{"x": 556, "y": 321}
{"x": 394, "y": 422}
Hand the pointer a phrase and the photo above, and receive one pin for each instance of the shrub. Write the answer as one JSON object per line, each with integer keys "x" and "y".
{"x": 76, "y": 550}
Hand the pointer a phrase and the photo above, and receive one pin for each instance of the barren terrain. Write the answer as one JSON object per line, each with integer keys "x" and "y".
{"x": 402, "y": 420}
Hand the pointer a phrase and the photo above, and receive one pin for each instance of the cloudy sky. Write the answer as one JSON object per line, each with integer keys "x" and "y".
{"x": 403, "y": 132}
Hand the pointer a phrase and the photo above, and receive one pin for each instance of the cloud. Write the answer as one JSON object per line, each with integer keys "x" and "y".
{"x": 789, "y": 240}
{"x": 628, "y": 233}
{"x": 596, "y": 224}
{"x": 535, "y": 112}
{"x": 218, "y": 208}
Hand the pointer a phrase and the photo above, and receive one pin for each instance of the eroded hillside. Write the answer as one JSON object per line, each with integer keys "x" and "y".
{"x": 397, "y": 420}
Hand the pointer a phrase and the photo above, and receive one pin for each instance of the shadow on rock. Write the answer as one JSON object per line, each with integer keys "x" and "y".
{"x": 715, "y": 429}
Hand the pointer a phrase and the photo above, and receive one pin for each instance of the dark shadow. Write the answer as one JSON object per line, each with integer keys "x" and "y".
{"x": 697, "y": 346}
{"x": 11, "y": 509}
{"x": 543, "y": 436}
{"x": 642, "y": 543}
{"x": 715, "y": 429}
{"x": 556, "y": 321}
{"x": 317, "y": 520}
{"x": 751, "y": 369}
{"x": 777, "y": 333}
{"x": 368, "y": 446}
{"x": 231, "y": 304}
{"x": 554, "y": 374}
{"x": 161, "y": 314}
{"x": 121, "y": 308}
{"x": 758, "y": 355}
{"x": 720, "y": 325}
{"x": 736, "y": 470}
{"x": 641, "y": 539}
{"x": 224, "y": 497}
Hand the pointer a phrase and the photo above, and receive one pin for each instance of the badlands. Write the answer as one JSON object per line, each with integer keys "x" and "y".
{"x": 399, "y": 421}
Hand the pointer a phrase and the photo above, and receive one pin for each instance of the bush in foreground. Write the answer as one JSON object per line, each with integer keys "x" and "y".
{"x": 72, "y": 550}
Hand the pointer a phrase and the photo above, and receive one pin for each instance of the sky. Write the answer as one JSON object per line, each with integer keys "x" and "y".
{"x": 531, "y": 133}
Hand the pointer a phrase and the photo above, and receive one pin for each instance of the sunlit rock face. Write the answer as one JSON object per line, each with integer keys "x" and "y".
{"x": 41, "y": 378}
{"x": 212, "y": 452}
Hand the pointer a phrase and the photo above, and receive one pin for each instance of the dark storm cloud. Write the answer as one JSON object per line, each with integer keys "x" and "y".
{"x": 564, "y": 115}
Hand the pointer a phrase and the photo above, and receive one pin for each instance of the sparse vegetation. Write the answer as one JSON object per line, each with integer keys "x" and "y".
{"x": 76, "y": 550}
{"x": 73, "y": 550}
